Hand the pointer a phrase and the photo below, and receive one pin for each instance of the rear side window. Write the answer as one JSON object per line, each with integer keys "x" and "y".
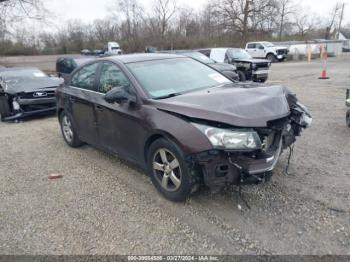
{"x": 251, "y": 46}
{"x": 111, "y": 76}
{"x": 205, "y": 52}
{"x": 85, "y": 77}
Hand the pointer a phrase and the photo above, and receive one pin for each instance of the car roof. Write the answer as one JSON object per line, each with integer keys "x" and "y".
{"x": 4, "y": 69}
{"x": 142, "y": 57}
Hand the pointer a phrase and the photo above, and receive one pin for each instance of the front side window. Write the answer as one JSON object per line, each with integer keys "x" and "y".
{"x": 161, "y": 78}
{"x": 259, "y": 46}
{"x": 85, "y": 77}
{"x": 112, "y": 76}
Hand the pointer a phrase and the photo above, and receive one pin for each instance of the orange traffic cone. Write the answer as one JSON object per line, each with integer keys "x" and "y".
{"x": 324, "y": 70}
{"x": 323, "y": 75}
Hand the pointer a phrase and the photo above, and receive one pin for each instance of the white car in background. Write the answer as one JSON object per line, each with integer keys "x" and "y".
{"x": 267, "y": 50}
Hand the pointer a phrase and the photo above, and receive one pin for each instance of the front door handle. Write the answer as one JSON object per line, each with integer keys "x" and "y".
{"x": 99, "y": 108}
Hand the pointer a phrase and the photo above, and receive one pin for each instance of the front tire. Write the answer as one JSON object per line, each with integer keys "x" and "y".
{"x": 168, "y": 170}
{"x": 70, "y": 136}
{"x": 348, "y": 118}
{"x": 271, "y": 57}
{"x": 241, "y": 76}
{"x": 4, "y": 108}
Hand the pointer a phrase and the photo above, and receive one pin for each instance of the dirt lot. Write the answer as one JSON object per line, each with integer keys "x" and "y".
{"x": 103, "y": 205}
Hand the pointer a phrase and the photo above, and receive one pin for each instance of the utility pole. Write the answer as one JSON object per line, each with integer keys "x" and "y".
{"x": 341, "y": 19}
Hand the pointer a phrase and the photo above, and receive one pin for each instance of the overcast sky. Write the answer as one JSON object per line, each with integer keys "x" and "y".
{"x": 88, "y": 10}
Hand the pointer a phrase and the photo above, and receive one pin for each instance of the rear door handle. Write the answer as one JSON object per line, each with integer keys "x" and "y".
{"x": 99, "y": 108}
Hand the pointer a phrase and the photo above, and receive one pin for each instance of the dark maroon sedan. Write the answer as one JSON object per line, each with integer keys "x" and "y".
{"x": 180, "y": 120}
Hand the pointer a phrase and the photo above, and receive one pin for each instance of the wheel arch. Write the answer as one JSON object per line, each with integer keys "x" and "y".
{"x": 155, "y": 136}
{"x": 270, "y": 53}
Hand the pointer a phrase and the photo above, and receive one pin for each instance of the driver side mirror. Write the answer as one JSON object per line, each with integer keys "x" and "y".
{"x": 119, "y": 95}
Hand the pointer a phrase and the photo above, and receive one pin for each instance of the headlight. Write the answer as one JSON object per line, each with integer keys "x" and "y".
{"x": 238, "y": 139}
{"x": 15, "y": 105}
{"x": 253, "y": 66}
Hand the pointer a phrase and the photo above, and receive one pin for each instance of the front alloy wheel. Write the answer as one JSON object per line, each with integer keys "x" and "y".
{"x": 348, "y": 118}
{"x": 169, "y": 172}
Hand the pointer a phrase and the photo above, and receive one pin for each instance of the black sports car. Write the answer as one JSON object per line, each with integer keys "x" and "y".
{"x": 26, "y": 91}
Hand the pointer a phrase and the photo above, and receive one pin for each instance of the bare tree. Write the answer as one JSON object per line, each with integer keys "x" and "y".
{"x": 334, "y": 16}
{"x": 243, "y": 16}
{"x": 305, "y": 23}
{"x": 286, "y": 8}
{"x": 132, "y": 17}
{"x": 163, "y": 11}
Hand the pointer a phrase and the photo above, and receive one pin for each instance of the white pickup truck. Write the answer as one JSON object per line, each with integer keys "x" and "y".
{"x": 267, "y": 50}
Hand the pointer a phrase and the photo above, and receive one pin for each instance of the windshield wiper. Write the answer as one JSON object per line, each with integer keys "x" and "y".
{"x": 169, "y": 95}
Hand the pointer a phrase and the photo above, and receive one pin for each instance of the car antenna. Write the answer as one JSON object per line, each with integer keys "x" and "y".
{"x": 291, "y": 150}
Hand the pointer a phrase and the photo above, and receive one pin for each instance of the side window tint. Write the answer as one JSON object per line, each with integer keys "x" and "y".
{"x": 85, "y": 77}
{"x": 112, "y": 76}
{"x": 251, "y": 46}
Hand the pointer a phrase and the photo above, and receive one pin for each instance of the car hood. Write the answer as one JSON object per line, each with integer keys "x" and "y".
{"x": 280, "y": 47}
{"x": 18, "y": 84}
{"x": 252, "y": 60}
{"x": 223, "y": 66}
{"x": 235, "y": 105}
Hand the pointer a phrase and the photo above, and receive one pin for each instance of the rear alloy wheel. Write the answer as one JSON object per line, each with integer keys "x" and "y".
{"x": 68, "y": 131}
{"x": 348, "y": 118}
{"x": 168, "y": 171}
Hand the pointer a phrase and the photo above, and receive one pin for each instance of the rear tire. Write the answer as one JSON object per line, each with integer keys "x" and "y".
{"x": 169, "y": 172}
{"x": 70, "y": 136}
{"x": 241, "y": 76}
{"x": 4, "y": 108}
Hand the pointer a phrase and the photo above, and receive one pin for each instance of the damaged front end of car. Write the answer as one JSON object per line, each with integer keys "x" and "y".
{"x": 242, "y": 156}
{"x": 22, "y": 103}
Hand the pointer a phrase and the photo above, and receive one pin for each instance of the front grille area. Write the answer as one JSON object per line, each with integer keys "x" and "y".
{"x": 30, "y": 108}
{"x": 35, "y": 95}
{"x": 282, "y": 52}
{"x": 262, "y": 66}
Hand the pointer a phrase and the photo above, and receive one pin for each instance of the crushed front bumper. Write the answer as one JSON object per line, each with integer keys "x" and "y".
{"x": 259, "y": 75}
{"x": 221, "y": 168}
{"x": 29, "y": 107}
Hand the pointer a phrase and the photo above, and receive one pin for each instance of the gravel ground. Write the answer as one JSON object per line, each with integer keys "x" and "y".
{"x": 103, "y": 205}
